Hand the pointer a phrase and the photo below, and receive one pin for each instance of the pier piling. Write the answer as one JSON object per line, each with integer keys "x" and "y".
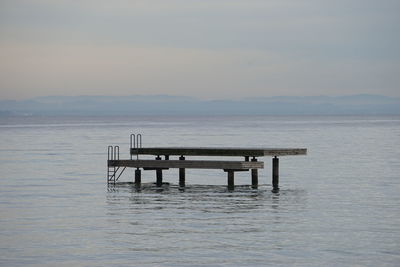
{"x": 231, "y": 179}
{"x": 254, "y": 175}
{"x": 181, "y": 174}
{"x": 158, "y": 174}
{"x": 138, "y": 177}
{"x": 275, "y": 174}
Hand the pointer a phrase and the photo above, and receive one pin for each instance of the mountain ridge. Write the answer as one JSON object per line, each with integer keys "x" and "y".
{"x": 362, "y": 104}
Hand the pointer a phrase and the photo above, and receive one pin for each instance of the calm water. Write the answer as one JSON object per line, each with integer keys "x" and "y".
{"x": 339, "y": 205}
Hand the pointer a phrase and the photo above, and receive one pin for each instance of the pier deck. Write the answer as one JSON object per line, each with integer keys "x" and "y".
{"x": 158, "y": 164}
{"x": 219, "y": 151}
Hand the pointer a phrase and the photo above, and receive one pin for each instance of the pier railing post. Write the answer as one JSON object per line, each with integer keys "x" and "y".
{"x": 182, "y": 174}
{"x": 275, "y": 174}
{"x": 158, "y": 174}
{"x": 254, "y": 175}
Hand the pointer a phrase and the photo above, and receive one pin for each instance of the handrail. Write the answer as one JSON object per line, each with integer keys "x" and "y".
{"x": 116, "y": 152}
{"x": 135, "y": 143}
{"x": 139, "y": 144}
{"x": 132, "y": 143}
{"x": 110, "y": 152}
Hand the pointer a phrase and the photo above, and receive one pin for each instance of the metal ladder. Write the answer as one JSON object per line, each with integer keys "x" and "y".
{"x": 112, "y": 171}
{"x": 113, "y": 154}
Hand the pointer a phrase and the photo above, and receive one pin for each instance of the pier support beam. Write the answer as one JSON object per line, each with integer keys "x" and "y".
{"x": 254, "y": 175}
{"x": 138, "y": 177}
{"x": 158, "y": 174}
{"x": 231, "y": 179}
{"x": 275, "y": 174}
{"x": 182, "y": 174}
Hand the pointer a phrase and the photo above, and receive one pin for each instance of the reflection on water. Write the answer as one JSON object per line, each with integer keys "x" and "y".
{"x": 200, "y": 219}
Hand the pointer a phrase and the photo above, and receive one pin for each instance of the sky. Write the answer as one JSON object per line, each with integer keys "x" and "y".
{"x": 210, "y": 49}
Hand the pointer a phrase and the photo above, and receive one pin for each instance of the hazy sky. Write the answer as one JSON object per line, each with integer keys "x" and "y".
{"x": 202, "y": 48}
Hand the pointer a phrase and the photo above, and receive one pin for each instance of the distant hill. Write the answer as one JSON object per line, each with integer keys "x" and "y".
{"x": 182, "y": 105}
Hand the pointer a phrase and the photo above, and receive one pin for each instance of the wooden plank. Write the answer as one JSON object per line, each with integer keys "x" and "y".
{"x": 187, "y": 164}
{"x": 219, "y": 151}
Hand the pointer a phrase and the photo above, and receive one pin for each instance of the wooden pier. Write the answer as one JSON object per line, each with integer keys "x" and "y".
{"x": 249, "y": 156}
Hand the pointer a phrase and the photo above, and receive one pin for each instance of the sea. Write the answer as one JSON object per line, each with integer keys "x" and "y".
{"x": 337, "y": 206}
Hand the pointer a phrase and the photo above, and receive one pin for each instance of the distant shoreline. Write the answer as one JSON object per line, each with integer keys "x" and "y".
{"x": 158, "y": 105}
